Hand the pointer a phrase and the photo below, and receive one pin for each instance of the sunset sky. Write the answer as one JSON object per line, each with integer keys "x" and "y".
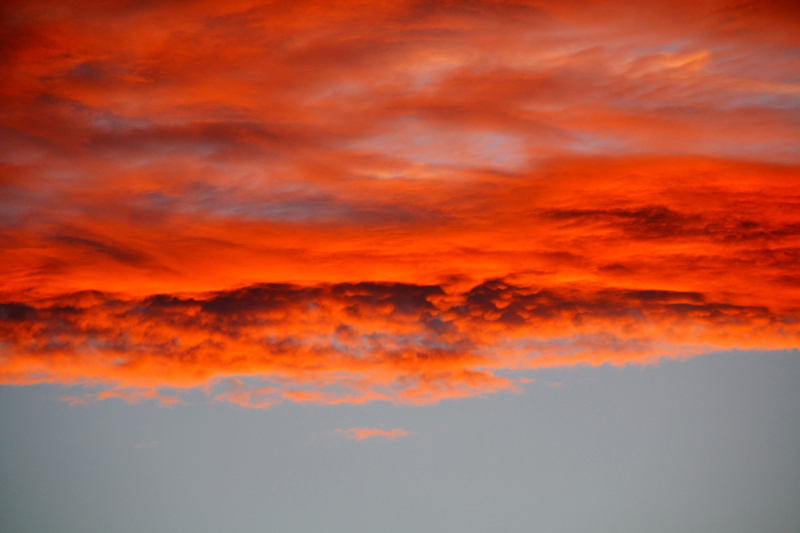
{"x": 400, "y": 266}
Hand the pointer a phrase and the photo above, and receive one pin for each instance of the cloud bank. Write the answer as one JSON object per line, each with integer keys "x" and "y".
{"x": 354, "y": 343}
{"x": 355, "y": 201}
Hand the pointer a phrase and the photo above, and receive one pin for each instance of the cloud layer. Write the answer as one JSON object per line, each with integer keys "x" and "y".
{"x": 344, "y": 202}
{"x": 354, "y": 343}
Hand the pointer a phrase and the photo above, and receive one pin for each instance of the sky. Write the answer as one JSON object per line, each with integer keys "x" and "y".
{"x": 392, "y": 266}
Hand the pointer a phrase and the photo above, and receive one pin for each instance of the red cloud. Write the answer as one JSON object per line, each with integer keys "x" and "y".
{"x": 355, "y": 343}
{"x": 302, "y": 202}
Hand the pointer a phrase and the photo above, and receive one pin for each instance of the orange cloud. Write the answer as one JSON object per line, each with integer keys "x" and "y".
{"x": 367, "y": 433}
{"x": 355, "y": 343}
{"x": 348, "y": 202}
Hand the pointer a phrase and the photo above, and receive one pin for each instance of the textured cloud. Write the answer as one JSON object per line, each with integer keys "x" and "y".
{"x": 353, "y": 343}
{"x": 350, "y": 201}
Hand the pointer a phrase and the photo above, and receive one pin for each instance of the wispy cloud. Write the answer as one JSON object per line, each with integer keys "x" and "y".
{"x": 369, "y": 433}
{"x": 74, "y": 400}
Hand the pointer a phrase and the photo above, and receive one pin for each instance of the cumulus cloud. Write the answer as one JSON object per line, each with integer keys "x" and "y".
{"x": 354, "y": 343}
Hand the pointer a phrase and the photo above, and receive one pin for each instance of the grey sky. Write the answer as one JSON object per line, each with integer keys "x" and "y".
{"x": 706, "y": 445}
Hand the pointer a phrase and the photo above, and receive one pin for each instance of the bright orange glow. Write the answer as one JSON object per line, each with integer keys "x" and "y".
{"x": 356, "y": 201}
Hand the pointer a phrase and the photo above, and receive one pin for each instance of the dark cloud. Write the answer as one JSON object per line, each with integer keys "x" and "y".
{"x": 17, "y": 312}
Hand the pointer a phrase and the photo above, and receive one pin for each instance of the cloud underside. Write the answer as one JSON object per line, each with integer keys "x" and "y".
{"x": 355, "y": 343}
{"x": 346, "y": 202}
